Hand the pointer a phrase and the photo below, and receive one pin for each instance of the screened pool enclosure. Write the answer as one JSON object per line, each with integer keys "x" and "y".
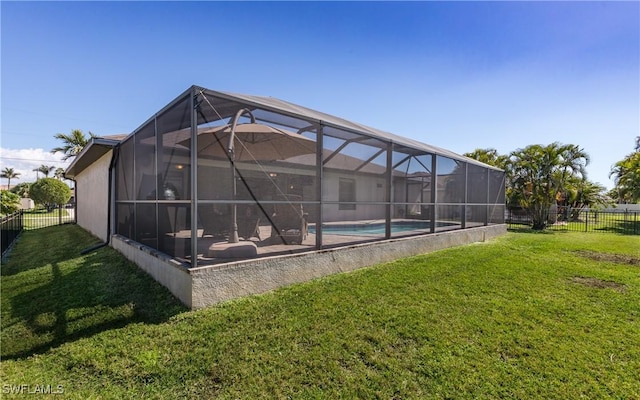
{"x": 217, "y": 176}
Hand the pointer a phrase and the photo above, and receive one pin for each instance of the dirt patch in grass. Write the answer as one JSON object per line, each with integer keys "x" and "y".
{"x": 609, "y": 257}
{"x": 598, "y": 283}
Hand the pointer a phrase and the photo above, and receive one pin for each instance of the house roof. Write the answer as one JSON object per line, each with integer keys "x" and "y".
{"x": 96, "y": 148}
{"x": 117, "y": 137}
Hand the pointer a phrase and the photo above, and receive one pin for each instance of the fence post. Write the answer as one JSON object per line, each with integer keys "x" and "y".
{"x": 586, "y": 221}
{"x": 626, "y": 219}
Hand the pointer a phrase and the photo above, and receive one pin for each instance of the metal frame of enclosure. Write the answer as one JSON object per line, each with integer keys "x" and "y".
{"x": 185, "y": 183}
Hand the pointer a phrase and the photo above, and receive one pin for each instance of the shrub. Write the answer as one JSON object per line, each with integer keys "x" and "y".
{"x": 9, "y": 202}
{"x": 50, "y": 192}
{"x": 21, "y": 189}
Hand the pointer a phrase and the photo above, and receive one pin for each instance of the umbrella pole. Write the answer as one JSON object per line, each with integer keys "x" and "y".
{"x": 233, "y": 237}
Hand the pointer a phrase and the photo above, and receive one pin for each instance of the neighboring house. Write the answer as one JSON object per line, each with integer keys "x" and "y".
{"x": 26, "y": 204}
{"x": 297, "y": 182}
{"x": 624, "y": 207}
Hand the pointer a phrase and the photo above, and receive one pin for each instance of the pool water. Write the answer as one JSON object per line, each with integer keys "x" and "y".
{"x": 375, "y": 228}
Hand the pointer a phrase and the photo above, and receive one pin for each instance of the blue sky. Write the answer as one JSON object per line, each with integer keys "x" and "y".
{"x": 456, "y": 75}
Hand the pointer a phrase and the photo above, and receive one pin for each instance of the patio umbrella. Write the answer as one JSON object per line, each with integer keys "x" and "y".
{"x": 249, "y": 142}
{"x": 252, "y": 142}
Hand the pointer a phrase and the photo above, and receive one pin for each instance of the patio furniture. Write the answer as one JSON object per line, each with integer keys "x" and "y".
{"x": 249, "y": 224}
{"x": 214, "y": 221}
{"x": 289, "y": 221}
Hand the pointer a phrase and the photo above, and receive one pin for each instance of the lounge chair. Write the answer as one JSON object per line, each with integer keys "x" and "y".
{"x": 249, "y": 224}
{"x": 289, "y": 221}
{"x": 213, "y": 221}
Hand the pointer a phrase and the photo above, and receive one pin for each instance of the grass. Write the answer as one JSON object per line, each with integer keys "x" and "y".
{"x": 51, "y": 294}
{"x": 603, "y": 222}
{"x": 43, "y": 212}
{"x": 628, "y": 223}
{"x": 41, "y": 218}
{"x": 547, "y": 315}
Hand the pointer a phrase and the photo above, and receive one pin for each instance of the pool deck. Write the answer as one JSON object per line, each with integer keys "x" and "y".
{"x": 269, "y": 246}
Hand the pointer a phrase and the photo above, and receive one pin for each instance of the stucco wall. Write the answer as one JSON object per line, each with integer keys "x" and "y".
{"x": 204, "y": 286}
{"x": 92, "y": 197}
{"x": 368, "y": 188}
{"x": 165, "y": 270}
{"x": 211, "y": 285}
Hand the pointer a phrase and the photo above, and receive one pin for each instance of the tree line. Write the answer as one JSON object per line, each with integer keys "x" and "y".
{"x": 539, "y": 177}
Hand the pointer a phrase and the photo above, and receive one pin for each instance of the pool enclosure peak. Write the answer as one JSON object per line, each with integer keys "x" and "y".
{"x": 276, "y": 178}
{"x": 298, "y": 111}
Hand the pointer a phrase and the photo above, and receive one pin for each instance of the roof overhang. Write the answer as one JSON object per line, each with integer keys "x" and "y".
{"x": 96, "y": 148}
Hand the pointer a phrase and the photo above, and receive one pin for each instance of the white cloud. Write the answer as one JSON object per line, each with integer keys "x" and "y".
{"x": 25, "y": 161}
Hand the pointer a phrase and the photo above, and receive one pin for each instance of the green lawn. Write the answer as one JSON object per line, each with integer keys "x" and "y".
{"x": 603, "y": 222}
{"x": 41, "y": 218}
{"x": 529, "y": 315}
{"x": 607, "y": 222}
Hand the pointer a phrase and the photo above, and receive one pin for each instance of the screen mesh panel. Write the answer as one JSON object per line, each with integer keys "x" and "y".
{"x": 125, "y": 171}
{"x": 300, "y": 179}
{"x": 451, "y": 180}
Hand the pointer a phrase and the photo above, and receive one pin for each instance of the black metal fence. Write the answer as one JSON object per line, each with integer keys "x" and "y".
{"x": 12, "y": 225}
{"x": 42, "y": 218}
{"x": 610, "y": 221}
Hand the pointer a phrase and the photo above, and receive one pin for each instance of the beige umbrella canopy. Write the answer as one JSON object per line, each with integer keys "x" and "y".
{"x": 252, "y": 142}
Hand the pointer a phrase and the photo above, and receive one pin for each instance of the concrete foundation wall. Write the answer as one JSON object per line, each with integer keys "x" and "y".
{"x": 92, "y": 197}
{"x": 165, "y": 270}
{"x": 211, "y": 285}
{"x": 205, "y": 286}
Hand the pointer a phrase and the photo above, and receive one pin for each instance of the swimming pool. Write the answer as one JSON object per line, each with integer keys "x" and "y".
{"x": 373, "y": 228}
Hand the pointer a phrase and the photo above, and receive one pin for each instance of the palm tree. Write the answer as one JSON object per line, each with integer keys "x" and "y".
{"x": 45, "y": 169}
{"x": 59, "y": 173}
{"x": 539, "y": 173}
{"x": 73, "y": 143}
{"x": 490, "y": 157}
{"x": 581, "y": 193}
{"x": 626, "y": 175}
{"x": 9, "y": 174}
{"x": 573, "y": 161}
